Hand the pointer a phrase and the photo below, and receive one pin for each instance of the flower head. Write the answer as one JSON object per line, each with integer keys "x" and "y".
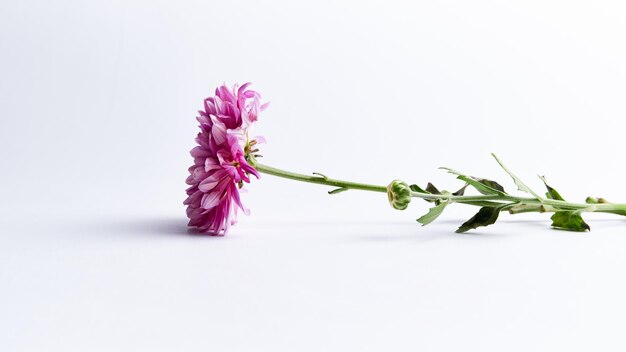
{"x": 221, "y": 164}
{"x": 399, "y": 194}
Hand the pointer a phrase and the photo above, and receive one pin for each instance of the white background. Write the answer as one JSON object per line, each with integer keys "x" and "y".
{"x": 98, "y": 102}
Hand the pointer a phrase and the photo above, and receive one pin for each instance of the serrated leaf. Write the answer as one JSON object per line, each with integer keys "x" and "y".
{"x": 452, "y": 171}
{"x": 433, "y": 213}
{"x": 485, "y": 217}
{"x": 518, "y": 182}
{"x": 570, "y": 221}
{"x": 552, "y": 193}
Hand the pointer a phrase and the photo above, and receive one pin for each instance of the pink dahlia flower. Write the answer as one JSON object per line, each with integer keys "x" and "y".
{"x": 220, "y": 166}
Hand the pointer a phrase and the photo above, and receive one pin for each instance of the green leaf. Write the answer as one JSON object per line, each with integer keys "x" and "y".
{"x": 430, "y": 188}
{"x": 485, "y": 217}
{"x": 518, "y": 182}
{"x": 416, "y": 188}
{"x": 482, "y": 185}
{"x": 492, "y": 184}
{"x": 461, "y": 191}
{"x": 552, "y": 193}
{"x": 569, "y": 220}
{"x": 433, "y": 213}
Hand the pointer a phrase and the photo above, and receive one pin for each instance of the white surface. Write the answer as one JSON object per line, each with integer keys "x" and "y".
{"x": 98, "y": 100}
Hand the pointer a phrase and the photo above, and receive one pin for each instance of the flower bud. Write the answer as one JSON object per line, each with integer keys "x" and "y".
{"x": 399, "y": 194}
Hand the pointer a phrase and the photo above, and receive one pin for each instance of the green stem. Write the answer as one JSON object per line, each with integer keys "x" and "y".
{"x": 533, "y": 204}
{"x": 319, "y": 179}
